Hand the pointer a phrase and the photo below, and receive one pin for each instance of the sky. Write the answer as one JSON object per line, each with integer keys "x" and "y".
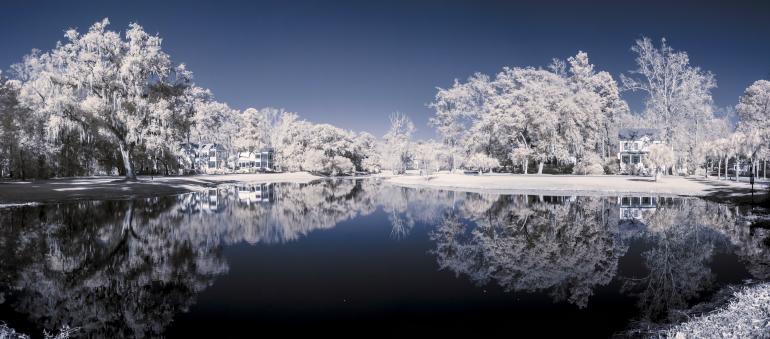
{"x": 352, "y": 63}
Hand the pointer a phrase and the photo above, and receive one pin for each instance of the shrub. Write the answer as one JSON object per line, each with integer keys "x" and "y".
{"x": 589, "y": 165}
{"x": 481, "y": 162}
{"x": 611, "y": 166}
{"x": 318, "y": 162}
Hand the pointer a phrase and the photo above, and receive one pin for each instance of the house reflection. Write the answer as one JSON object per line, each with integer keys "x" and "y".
{"x": 634, "y": 207}
{"x": 255, "y": 194}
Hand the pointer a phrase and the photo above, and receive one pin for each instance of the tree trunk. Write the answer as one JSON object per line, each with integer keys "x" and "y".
{"x": 719, "y": 169}
{"x": 726, "y": 168}
{"x": 526, "y": 165}
{"x": 540, "y": 167}
{"x": 764, "y": 169}
{"x": 709, "y": 168}
{"x": 125, "y": 153}
{"x": 737, "y": 175}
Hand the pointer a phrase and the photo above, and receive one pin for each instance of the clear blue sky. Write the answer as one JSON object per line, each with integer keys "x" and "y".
{"x": 352, "y": 63}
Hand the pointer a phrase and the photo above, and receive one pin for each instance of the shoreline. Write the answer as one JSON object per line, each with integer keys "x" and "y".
{"x": 16, "y": 193}
{"x": 585, "y": 185}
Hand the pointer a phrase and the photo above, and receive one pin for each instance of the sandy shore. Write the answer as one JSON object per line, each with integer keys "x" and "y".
{"x": 584, "y": 185}
{"x": 86, "y": 188}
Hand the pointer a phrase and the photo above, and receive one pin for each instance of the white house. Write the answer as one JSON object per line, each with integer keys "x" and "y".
{"x": 214, "y": 156}
{"x": 633, "y": 146}
{"x": 261, "y": 160}
{"x": 204, "y": 157}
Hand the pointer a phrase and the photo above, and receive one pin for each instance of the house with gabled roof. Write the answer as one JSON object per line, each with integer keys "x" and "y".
{"x": 633, "y": 147}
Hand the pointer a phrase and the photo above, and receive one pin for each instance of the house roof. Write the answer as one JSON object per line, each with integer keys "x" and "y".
{"x": 206, "y": 147}
{"x": 638, "y": 133}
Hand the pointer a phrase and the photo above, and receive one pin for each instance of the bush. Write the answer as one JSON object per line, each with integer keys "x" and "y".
{"x": 589, "y": 165}
{"x": 318, "y": 162}
{"x": 481, "y": 162}
{"x": 611, "y": 166}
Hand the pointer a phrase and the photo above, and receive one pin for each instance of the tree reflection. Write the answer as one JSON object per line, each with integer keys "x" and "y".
{"x": 569, "y": 246}
{"x": 526, "y": 243}
{"x": 125, "y": 268}
{"x": 115, "y": 269}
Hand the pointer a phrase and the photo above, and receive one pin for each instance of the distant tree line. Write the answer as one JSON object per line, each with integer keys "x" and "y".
{"x": 568, "y": 115}
{"x": 102, "y": 102}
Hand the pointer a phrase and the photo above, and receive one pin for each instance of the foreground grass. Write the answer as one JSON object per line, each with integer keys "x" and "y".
{"x": 747, "y": 315}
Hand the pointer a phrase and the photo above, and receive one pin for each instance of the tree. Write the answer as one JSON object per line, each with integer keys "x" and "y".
{"x": 481, "y": 162}
{"x": 753, "y": 110}
{"x": 589, "y": 165}
{"x": 104, "y": 81}
{"x": 719, "y": 149}
{"x": 319, "y": 162}
{"x": 455, "y": 107}
{"x": 368, "y": 153}
{"x": 598, "y": 98}
{"x": 426, "y": 156}
{"x": 397, "y": 142}
{"x": 737, "y": 142}
{"x": 658, "y": 158}
{"x": 678, "y": 96}
{"x": 521, "y": 111}
{"x": 290, "y": 141}
{"x": 254, "y": 128}
{"x": 753, "y": 107}
{"x": 559, "y": 115}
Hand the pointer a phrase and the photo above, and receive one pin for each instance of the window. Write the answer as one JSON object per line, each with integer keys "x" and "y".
{"x": 625, "y": 146}
{"x": 212, "y": 164}
{"x": 212, "y": 153}
{"x": 626, "y": 159}
{"x": 646, "y": 201}
{"x": 635, "y": 159}
{"x": 625, "y": 201}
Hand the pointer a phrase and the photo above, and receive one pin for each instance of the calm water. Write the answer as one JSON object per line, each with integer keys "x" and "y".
{"x": 364, "y": 257}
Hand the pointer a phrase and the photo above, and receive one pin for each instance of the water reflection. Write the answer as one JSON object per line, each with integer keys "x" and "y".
{"x": 126, "y": 268}
{"x": 526, "y": 243}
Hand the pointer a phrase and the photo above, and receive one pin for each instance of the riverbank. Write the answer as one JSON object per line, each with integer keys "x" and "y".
{"x": 89, "y": 188}
{"x": 582, "y": 185}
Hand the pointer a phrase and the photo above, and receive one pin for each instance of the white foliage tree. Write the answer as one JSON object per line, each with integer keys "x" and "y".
{"x": 482, "y": 162}
{"x": 659, "y": 157}
{"x": 679, "y": 99}
{"x": 103, "y": 80}
{"x": 290, "y": 141}
{"x": 397, "y": 142}
{"x": 254, "y": 128}
{"x": 528, "y": 114}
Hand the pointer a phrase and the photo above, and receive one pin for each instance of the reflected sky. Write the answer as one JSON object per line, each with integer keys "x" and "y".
{"x": 337, "y": 255}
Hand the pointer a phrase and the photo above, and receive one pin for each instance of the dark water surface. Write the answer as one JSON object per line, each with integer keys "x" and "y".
{"x": 367, "y": 258}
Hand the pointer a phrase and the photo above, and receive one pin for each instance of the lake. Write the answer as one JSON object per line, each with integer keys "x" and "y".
{"x": 363, "y": 257}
